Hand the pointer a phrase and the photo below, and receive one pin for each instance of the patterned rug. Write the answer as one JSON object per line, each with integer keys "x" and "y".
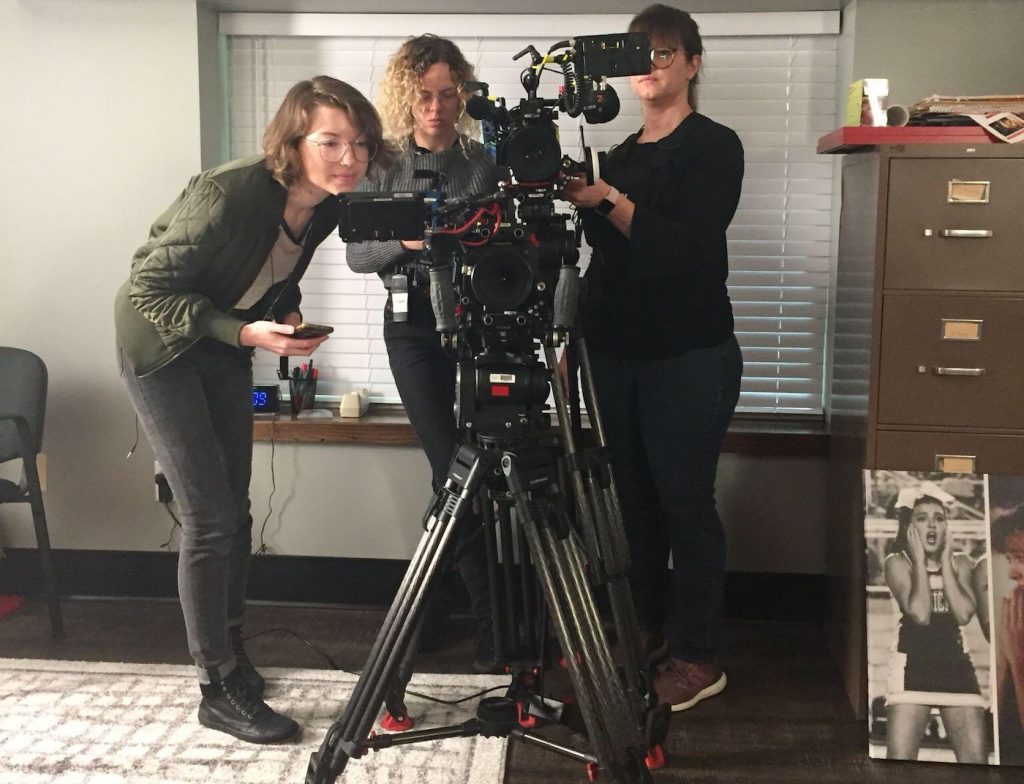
{"x": 66, "y": 722}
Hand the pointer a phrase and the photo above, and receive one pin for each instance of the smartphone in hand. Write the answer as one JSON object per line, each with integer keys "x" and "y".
{"x": 305, "y": 331}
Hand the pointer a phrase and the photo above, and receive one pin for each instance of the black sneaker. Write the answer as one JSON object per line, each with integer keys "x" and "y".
{"x": 255, "y": 685}
{"x": 228, "y": 707}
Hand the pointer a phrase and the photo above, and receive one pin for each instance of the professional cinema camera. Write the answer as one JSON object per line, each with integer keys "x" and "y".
{"x": 512, "y": 281}
{"x": 504, "y": 287}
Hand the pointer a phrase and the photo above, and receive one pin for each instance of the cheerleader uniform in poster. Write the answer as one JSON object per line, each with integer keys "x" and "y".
{"x": 930, "y": 664}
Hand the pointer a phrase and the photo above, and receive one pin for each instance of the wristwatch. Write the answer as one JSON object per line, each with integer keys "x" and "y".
{"x": 607, "y": 204}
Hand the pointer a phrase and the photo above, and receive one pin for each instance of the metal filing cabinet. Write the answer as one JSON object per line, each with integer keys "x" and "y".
{"x": 947, "y": 363}
{"x": 928, "y": 342}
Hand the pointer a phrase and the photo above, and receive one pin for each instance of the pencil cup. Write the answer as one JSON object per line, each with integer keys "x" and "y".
{"x": 302, "y": 392}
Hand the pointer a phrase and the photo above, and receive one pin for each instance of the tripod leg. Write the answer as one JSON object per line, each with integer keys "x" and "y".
{"x": 608, "y": 552}
{"x": 569, "y": 579}
{"x": 617, "y": 532}
{"x": 623, "y": 609}
{"x": 451, "y": 503}
{"x": 615, "y": 736}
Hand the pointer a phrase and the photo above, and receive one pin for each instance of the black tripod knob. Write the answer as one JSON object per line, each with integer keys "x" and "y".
{"x": 497, "y": 716}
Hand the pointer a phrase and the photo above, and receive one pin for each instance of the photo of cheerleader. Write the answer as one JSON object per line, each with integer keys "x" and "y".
{"x": 932, "y": 535}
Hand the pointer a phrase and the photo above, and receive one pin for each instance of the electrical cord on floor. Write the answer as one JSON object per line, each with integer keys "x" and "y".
{"x": 334, "y": 666}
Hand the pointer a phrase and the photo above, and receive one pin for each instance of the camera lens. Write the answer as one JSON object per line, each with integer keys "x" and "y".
{"x": 501, "y": 279}
{"x": 533, "y": 153}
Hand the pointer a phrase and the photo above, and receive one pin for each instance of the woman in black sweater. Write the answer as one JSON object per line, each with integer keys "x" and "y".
{"x": 666, "y": 363}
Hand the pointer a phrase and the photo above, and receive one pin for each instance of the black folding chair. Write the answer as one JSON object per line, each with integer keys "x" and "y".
{"x": 22, "y": 413}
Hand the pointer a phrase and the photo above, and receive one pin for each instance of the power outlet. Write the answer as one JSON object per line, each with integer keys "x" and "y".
{"x": 162, "y": 490}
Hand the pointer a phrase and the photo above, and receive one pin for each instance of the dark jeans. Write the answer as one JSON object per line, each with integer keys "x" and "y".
{"x": 197, "y": 415}
{"x": 425, "y": 376}
{"x": 665, "y": 421}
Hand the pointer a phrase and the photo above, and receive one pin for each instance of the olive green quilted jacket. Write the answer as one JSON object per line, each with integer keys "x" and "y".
{"x": 202, "y": 255}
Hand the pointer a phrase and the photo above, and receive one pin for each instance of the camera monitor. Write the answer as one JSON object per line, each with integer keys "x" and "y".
{"x": 623, "y": 54}
{"x": 382, "y": 216}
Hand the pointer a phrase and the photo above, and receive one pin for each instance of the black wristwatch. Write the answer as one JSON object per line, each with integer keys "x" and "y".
{"x": 607, "y": 204}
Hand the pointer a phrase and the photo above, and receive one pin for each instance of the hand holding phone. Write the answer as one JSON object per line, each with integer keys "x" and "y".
{"x": 305, "y": 331}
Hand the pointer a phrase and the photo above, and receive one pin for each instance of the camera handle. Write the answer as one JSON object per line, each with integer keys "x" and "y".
{"x": 530, "y": 77}
{"x": 442, "y": 297}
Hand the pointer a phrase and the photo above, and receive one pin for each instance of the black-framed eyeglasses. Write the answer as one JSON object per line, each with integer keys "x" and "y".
{"x": 332, "y": 150}
{"x": 663, "y": 58}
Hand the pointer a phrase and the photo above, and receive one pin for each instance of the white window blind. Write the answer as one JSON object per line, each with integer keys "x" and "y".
{"x": 776, "y": 90}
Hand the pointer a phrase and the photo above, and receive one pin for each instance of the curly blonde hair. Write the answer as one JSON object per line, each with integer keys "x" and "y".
{"x": 400, "y": 88}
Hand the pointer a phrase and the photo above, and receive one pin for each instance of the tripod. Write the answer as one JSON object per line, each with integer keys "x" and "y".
{"x": 569, "y": 560}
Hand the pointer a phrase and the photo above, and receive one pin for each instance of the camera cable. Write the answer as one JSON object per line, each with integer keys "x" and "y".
{"x": 335, "y": 666}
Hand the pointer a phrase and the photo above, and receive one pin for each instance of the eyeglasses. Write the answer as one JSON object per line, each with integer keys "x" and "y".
{"x": 446, "y": 96}
{"x": 332, "y": 150}
{"x": 663, "y": 58}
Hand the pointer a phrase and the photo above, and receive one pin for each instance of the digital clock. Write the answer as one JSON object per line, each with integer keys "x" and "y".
{"x": 265, "y": 399}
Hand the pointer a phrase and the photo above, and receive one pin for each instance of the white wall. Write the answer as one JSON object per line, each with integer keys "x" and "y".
{"x": 101, "y": 131}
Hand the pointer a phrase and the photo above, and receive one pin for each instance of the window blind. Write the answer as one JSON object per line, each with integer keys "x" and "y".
{"x": 776, "y": 90}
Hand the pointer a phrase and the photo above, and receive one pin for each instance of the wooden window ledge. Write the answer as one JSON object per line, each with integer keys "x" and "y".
{"x": 388, "y": 425}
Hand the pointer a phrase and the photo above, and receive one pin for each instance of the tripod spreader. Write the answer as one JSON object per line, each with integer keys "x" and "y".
{"x": 496, "y": 717}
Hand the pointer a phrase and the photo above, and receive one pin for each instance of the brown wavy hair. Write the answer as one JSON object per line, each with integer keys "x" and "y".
{"x": 401, "y": 85}
{"x": 674, "y": 27}
{"x": 281, "y": 139}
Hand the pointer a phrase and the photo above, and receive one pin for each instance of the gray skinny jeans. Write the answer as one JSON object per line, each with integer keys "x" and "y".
{"x": 197, "y": 414}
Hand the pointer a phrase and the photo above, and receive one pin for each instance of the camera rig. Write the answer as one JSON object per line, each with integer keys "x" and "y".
{"x": 511, "y": 282}
{"x": 504, "y": 288}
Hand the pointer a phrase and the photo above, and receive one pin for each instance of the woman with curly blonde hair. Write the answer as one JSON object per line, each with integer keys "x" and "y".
{"x": 422, "y": 102}
{"x": 404, "y": 97}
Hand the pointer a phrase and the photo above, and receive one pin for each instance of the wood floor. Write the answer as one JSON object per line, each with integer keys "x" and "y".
{"x": 783, "y": 718}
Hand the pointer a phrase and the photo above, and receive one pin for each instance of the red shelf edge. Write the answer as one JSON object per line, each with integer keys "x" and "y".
{"x": 852, "y": 137}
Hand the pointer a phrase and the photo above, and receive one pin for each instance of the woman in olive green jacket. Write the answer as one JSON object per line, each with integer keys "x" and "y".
{"x": 218, "y": 278}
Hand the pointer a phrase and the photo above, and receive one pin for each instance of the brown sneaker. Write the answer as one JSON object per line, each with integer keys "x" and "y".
{"x": 683, "y": 684}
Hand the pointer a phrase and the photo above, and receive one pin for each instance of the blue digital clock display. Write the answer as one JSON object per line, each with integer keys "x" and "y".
{"x": 265, "y": 398}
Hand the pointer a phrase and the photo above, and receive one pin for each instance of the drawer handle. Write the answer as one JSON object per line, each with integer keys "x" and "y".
{"x": 966, "y": 234}
{"x": 956, "y": 464}
{"x": 955, "y": 371}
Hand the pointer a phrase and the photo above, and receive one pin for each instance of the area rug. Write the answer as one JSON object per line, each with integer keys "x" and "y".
{"x": 67, "y": 722}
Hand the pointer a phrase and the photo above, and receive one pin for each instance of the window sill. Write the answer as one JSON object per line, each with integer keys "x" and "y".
{"x": 386, "y": 425}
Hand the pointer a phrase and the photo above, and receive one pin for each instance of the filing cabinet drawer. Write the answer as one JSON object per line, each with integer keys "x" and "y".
{"x": 958, "y": 201}
{"x": 951, "y": 452}
{"x": 951, "y": 361}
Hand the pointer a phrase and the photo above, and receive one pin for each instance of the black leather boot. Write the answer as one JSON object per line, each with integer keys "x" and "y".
{"x": 228, "y": 707}
{"x": 254, "y": 683}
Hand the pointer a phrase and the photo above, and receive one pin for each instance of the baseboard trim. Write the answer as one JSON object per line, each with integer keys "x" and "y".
{"x": 356, "y": 581}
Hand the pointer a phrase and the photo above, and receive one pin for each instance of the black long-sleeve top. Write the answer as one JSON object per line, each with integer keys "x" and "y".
{"x": 662, "y": 290}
